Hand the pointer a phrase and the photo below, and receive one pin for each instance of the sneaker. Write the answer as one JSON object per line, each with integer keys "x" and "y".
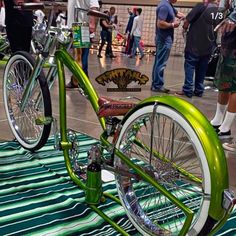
{"x": 216, "y": 128}
{"x": 160, "y": 90}
{"x": 224, "y": 135}
{"x": 182, "y": 93}
{"x": 231, "y": 147}
{"x": 99, "y": 56}
{"x": 70, "y": 85}
{"x": 112, "y": 56}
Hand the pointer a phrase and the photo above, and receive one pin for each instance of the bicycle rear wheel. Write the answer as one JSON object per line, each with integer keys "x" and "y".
{"x": 177, "y": 162}
{"x": 23, "y": 123}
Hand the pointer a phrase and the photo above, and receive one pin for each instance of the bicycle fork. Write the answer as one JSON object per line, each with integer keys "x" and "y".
{"x": 31, "y": 83}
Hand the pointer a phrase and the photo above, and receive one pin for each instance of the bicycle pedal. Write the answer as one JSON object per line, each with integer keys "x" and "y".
{"x": 44, "y": 120}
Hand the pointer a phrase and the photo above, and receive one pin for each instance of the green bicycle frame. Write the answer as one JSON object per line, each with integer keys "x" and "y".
{"x": 63, "y": 57}
{"x": 197, "y": 120}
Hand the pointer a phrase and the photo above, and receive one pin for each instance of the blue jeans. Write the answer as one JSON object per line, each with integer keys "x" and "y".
{"x": 162, "y": 54}
{"x": 137, "y": 45}
{"x": 85, "y": 54}
{"x": 197, "y": 64}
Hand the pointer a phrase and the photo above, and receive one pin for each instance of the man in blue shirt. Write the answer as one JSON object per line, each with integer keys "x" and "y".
{"x": 165, "y": 23}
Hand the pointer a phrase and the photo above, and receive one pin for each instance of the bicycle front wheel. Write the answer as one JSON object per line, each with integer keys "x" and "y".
{"x": 27, "y": 132}
{"x": 165, "y": 146}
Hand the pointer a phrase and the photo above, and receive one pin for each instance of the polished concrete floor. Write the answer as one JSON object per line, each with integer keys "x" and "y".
{"x": 82, "y": 118}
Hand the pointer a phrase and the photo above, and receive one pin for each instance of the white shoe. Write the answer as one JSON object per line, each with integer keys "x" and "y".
{"x": 231, "y": 147}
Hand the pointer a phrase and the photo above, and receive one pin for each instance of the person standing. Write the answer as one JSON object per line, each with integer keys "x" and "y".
{"x": 136, "y": 33}
{"x": 113, "y": 21}
{"x": 18, "y": 26}
{"x": 225, "y": 78}
{"x": 82, "y": 17}
{"x": 128, "y": 29}
{"x": 105, "y": 35}
{"x": 199, "y": 46}
{"x": 166, "y": 22}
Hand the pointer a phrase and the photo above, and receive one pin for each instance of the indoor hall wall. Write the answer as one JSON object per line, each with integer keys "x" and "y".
{"x": 149, "y": 15}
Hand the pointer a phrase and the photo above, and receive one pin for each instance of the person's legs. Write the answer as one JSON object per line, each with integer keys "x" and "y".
{"x": 225, "y": 82}
{"x": 26, "y": 38}
{"x": 109, "y": 44}
{"x": 190, "y": 63}
{"x": 85, "y": 54}
{"x": 11, "y": 33}
{"x": 230, "y": 114}
{"x": 103, "y": 38}
{"x": 200, "y": 73}
{"x": 131, "y": 43}
{"x": 19, "y": 37}
{"x": 162, "y": 55}
{"x": 223, "y": 98}
{"x": 140, "y": 48}
{"x": 135, "y": 46}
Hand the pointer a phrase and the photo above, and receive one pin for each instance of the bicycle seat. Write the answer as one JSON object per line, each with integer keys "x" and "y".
{"x": 111, "y": 107}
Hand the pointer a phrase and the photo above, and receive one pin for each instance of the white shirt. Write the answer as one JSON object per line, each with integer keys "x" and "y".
{"x": 137, "y": 28}
{"x": 40, "y": 16}
{"x": 82, "y": 16}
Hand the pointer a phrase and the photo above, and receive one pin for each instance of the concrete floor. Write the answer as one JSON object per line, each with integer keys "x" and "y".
{"x": 82, "y": 118}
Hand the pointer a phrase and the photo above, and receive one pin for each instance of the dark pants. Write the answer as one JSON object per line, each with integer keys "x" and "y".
{"x": 197, "y": 64}
{"x": 130, "y": 42}
{"x": 162, "y": 55}
{"x": 106, "y": 36}
{"x": 19, "y": 37}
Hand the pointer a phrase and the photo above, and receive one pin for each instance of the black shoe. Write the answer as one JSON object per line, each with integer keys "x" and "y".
{"x": 224, "y": 135}
{"x": 70, "y": 85}
{"x": 216, "y": 128}
{"x": 99, "y": 56}
{"x": 198, "y": 94}
{"x": 160, "y": 90}
{"x": 182, "y": 93}
{"x": 112, "y": 56}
